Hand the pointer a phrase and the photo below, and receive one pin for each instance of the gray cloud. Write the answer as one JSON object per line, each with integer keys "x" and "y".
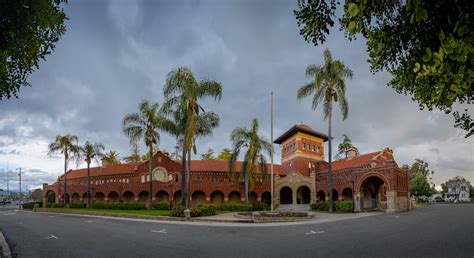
{"x": 116, "y": 53}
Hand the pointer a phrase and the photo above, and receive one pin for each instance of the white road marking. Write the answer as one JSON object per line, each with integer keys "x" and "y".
{"x": 163, "y": 231}
{"x": 88, "y": 221}
{"x": 311, "y": 232}
{"x": 9, "y": 214}
{"x": 52, "y": 236}
{"x": 51, "y": 216}
{"x": 19, "y": 223}
{"x": 397, "y": 217}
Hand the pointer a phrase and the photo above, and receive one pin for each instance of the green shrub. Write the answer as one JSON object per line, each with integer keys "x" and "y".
{"x": 260, "y": 206}
{"x": 207, "y": 209}
{"x": 320, "y": 206}
{"x": 100, "y": 205}
{"x": 162, "y": 206}
{"x": 47, "y": 205}
{"x": 178, "y": 211}
{"x": 343, "y": 206}
{"x": 235, "y": 207}
{"x": 30, "y": 205}
{"x": 77, "y": 205}
{"x": 57, "y": 205}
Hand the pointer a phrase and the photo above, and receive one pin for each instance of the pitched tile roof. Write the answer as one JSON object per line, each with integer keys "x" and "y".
{"x": 360, "y": 160}
{"x": 223, "y": 166}
{"x": 102, "y": 171}
{"x": 300, "y": 128}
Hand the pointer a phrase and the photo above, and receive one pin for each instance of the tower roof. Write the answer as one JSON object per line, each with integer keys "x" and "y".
{"x": 303, "y": 129}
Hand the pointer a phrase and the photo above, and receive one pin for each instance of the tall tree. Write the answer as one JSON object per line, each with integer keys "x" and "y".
{"x": 208, "y": 155}
{"x": 88, "y": 153}
{"x": 427, "y": 46}
{"x": 328, "y": 86}
{"x": 145, "y": 125}
{"x": 345, "y": 147}
{"x": 66, "y": 145}
{"x": 135, "y": 156}
{"x": 183, "y": 93}
{"x": 110, "y": 158}
{"x": 29, "y": 31}
{"x": 420, "y": 175}
{"x": 146, "y": 156}
{"x": 255, "y": 146}
{"x": 225, "y": 154}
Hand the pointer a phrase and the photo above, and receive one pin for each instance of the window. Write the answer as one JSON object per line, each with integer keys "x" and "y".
{"x": 142, "y": 179}
{"x": 159, "y": 175}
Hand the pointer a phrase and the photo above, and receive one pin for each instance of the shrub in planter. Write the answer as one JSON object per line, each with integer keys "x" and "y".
{"x": 320, "y": 206}
{"x": 77, "y": 205}
{"x": 343, "y": 206}
{"x": 162, "y": 206}
{"x": 260, "y": 206}
{"x": 207, "y": 209}
{"x": 236, "y": 207}
{"x": 178, "y": 211}
{"x": 100, "y": 205}
{"x": 30, "y": 205}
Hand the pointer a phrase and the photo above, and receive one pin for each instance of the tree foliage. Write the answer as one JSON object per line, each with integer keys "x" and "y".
{"x": 419, "y": 174}
{"x": 110, "y": 158}
{"x": 29, "y": 31}
{"x": 344, "y": 147}
{"x": 208, "y": 155}
{"x": 224, "y": 154}
{"x": 427, "y": 46}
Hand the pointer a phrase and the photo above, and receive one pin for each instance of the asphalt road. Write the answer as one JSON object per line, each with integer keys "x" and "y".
{"x": 434, "y": 231}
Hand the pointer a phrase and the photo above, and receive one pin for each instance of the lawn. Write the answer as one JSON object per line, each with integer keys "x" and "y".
{"x": 138, "y": 212}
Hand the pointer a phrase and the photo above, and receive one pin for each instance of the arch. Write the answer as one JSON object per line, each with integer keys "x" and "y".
{"x": 177, "y": 198}
{"x": 335, "y": 195}
{"x": 143, "y": 196}
{"x": 266, "y": 198}
{"x": 217, "y": 197}
{"x": 234, "y": 197}
{"x": 128, "y": 196}
{"x": 61, "y": 198}
{"x": 99, "y": 197}
{"x": 113, "y": 197}
{"x": 162, "y": 197}
{"x": 75, "y": 197}
{"x": 286, "y": 195}
{"x": 303, "y": 195}
{"x": 373, "y": 174}
{"x": 50, "y": 196}
{"x": 84, "y": 197}
{"x": 321, "y": 196}
{"x": 252, "y": 197}
{"x": 347, "y": 194}
{"x": 372, "y": 194}
{"x": 198, "y": 197}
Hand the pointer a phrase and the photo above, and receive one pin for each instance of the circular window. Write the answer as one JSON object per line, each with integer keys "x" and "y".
{"x": 159, "y": 175}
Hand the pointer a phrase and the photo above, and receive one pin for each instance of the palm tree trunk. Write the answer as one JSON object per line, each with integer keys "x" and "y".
{"x": 188, "y": 180}
{"x": 246, "y": 187}
{"x": 150, "y": 187}
{"x": 65, "y": 180}
{"x": 183, "y": 175}
{"x": 88, "y": 186}
{"x": 331, "y": 203}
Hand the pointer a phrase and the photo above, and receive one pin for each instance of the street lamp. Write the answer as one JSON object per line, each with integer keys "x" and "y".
{"x": 19, "y": 192}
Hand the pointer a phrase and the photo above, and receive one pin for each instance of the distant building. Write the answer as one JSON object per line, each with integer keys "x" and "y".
{"x": 458, "y": 190}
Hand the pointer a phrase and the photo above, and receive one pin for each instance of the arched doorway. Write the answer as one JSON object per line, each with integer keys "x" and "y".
{"x": 321, "y": 196}
{"x": 84, "y": 197}
{"x": 286, "y": 195}
{"x": 267, "y": 198}
{"x": 347, "y": 194}
{"x": 143, "y": 197}
{"x": 128, "y": 196}
{"x": 217, "y": 197}
{"x": 303, "y": 195}
{"x": 198, "y": 197}
{"x": 372, "y": 194}
{"x": 75, "y": 198}
{"x": 99, "y": 197}
{"x": 50, "y": 197}
{"x": 235, "y": 197}
{"x": 252, "y": 197}
{"x": 335, "y": 195}
{"x": 177, "y": 198}
{"x": 113, "y": 197}
{"x": 162, "y": 197}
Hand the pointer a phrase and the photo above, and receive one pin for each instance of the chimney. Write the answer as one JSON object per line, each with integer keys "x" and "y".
{"x": 351, "y": 153}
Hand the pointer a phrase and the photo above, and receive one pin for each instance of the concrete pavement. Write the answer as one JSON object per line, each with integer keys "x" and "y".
{"x": 434, "y": 231}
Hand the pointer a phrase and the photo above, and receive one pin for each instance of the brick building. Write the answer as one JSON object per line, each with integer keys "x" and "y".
{"x": 370, "y": 181}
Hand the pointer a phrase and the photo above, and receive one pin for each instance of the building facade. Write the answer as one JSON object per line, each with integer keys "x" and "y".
{"x": 458, "y": 190}
{"x": 371, "y": 181}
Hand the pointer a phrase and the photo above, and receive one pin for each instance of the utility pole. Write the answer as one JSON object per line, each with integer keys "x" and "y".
{"x": 8, "y": 187}
{"x": 271, "y": 142}
{"x": 19, "y": 192}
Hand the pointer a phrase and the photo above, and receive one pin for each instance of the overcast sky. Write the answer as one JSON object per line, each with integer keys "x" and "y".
{"x": 115, "y": 54}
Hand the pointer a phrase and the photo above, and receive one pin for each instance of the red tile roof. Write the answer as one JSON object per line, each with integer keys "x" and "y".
{"x": 360, "y": 160}
{"x": 223, "y": 166}
{"x": 102, "y": 171}
{"x": 300, "y": 128}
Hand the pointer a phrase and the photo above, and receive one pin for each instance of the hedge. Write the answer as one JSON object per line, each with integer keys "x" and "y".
{"x": 162, "y": 206}
{"x": 340, "y": 206}
{"x": 77, "y": 205}
{"x": 260, "y": 206}
{"x": 207, "y": 209}
{"x": 178, "y": 211}
{"x": 54, "y": 205}
{"x": 235, "y": 207}
{"x": 118, "y": 206}
{"x": 30, "y": 205}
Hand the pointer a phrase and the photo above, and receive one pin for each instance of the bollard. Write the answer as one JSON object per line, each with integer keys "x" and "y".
{"x": 35, "y": 207}
{"x": 187, "y": 214}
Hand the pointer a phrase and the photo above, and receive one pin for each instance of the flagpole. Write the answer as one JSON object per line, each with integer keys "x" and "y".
{"x": 271, "y": 150}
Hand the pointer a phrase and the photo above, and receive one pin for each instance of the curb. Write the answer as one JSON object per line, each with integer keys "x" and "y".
{"x": 4, "y": 246}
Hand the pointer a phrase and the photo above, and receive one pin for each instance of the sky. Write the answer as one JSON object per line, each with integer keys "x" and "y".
{"x": 116, "y": 53}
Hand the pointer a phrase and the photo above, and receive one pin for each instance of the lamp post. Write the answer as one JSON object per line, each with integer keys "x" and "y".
{"x": 19, "y": 191}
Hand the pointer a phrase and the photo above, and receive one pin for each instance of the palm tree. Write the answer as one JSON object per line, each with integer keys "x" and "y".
{"x": 243, "y": 138}
{"x": 66, "y": 145}
{"x": 110, "y": 158}
{"x": 345, "y": 147}
{"x": 144, "y": 125}
{"x": 90, "y": 152}
{"x": 328, "y": 85}
{"x": 182, "y": 92}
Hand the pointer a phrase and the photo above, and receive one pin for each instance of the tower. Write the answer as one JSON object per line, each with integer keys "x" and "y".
{"x": 301, "y": 147}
